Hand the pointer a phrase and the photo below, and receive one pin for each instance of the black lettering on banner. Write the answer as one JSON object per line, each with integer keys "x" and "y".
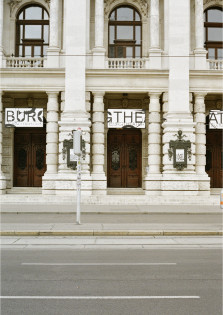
{"x": 109, "y": 117}
{"x": 22, "y": 119}
{"x": 39, "y": 116}
{"x": 31, "y": 114}
{"x": 10, "y": 114}
{"x": 210, "y": 117}
{"x": 138, "y": 117}
{"x": 117, "y": 115}
{"x": 126, "y": 116}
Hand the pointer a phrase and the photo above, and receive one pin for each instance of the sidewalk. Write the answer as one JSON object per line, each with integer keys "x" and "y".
{"x": 112, "y": 224}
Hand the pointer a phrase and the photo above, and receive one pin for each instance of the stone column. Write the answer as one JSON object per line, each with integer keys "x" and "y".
{"x": 154, "y": 47}
{"x": 152, "y": 180}
{"x": 53, "y": 50}
{"x": 98, "y": 145}
{"x": 200, "y": 130}
{"x": 99, "y": 50}
{"x": 154, "y": 134}
{"x": 2, "y": 176}
{"x": 1, "y": 33}
{"x": 52, "y": 133}
{"x": 200, "y": 52}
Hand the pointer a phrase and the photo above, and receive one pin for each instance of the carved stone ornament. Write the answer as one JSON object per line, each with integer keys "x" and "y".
{"x": 180, "y": 150}
{"x": 214, "y": 2}
{"x": 125, "y": 102}
{"x": 13, "y": 5}
{"x": 142, "y": 4}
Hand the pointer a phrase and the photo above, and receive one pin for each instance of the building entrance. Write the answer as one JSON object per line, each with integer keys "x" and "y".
{"x": 29, "y": 157}
{"x": 214, "y": 157}
{"x": 124, "y": 158}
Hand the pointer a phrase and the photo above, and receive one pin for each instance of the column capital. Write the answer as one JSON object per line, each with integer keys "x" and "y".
{"x": 200, "y": 94}
{"x": 52, "y": 93}
{"x": 98, "y": 93}
{"x": 154, "y": 95}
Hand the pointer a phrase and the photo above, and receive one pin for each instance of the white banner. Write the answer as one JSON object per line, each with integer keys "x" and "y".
{"x": 127, "y": 118}
{"x": 24, "y": 117}
{"x": 216, "y": 119}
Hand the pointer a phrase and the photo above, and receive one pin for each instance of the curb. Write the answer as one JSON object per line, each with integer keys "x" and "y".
{"x": 220, "y": 212}
{"x": 111, "y": 233}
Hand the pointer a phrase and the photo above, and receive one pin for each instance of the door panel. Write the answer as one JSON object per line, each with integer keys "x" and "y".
{"x": 29, "y": 157}
{"x": 214, "y": 157}
{"x": 124, "y": 158}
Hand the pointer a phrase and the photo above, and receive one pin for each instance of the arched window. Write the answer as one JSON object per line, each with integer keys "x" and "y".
{"x": 32, "y": 31}
{"x": 125, "y": 33}
{"x": 213, "y": 26}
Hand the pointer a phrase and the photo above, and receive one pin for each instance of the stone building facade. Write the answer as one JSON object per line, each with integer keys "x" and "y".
{"x": 79, "y": 59}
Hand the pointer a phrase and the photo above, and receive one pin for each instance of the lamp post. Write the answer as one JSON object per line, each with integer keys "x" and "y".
{"x": 77, "y": 146}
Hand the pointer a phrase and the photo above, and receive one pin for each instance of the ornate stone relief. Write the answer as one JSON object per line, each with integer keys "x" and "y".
{"x": 13, "y": 5}
{"x": 217, "y": 1}
{"x": 142, "y": 4}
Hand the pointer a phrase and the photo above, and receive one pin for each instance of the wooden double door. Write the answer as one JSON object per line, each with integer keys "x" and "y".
{"x": 214, "y": 157}
{"x": 29, "y": 157}
{"x": 124, "y": 158}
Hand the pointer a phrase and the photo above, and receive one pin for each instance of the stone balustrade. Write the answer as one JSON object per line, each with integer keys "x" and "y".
{"x": 25, "y": 62}
{"x": 125, "y": 63}
{"x": 215, "y": 64}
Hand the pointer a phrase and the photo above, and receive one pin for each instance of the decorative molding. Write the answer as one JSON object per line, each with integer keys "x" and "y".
{"x": 213, "y": 2}
{"x": 13, "y": 5}
{"x": 141, "y": 4}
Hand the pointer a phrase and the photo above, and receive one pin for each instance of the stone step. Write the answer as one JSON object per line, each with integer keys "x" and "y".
{"x": 125, "y": 191}
{"x": 25, "y": 191}
{"x": 111, "y": 200}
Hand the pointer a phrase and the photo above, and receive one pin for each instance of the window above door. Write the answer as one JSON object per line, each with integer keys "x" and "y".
{"x": 125, "y": 33}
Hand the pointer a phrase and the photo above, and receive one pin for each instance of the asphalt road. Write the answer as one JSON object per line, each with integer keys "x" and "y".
{"x": 87, "y": 282}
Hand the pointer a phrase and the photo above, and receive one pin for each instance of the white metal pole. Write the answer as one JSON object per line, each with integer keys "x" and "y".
{"x": 78, "y": 213}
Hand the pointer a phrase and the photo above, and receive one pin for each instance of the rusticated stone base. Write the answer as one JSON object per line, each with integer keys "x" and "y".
{"x": 185, "y": 184}
{"x": 65, "y": 184}
{"x": 2, "y": 184}
{"x": 152, "y": 184}
{"x": 99, "y": 184}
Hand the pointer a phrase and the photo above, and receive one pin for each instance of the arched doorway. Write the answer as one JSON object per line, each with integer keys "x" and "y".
{"x": 29, "y": 157}
{"x": 124, "y": 158}
{"x": 214, "y": 155}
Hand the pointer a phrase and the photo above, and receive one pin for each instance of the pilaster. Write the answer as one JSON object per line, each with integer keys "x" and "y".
{"x": 1, "y": 33}
{"x": 53, "y": 50}
{"x": 154, "y": 49}
{"x": 99, "y": 50}
{"x": 199, "y": 52}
